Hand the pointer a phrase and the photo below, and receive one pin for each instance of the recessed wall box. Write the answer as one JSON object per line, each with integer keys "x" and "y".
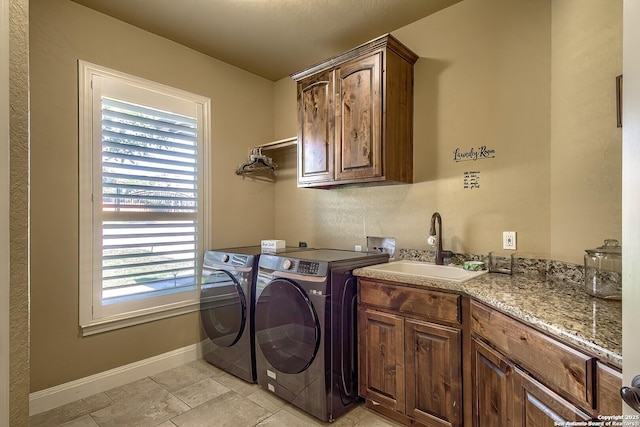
{"x": 383, "y": 245}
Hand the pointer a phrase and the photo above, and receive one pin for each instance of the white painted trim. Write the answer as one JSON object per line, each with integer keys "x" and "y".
{"x": 94, "y": 81}
{"x": 630, "y": 194}
{"x": 124, "y": 321}
{"x": 44, "y": 400}
{"x": 4, "y": 213}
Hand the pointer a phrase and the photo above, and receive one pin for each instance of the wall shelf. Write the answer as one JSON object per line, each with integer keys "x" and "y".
{"x": 260, "y": 166}
{"x": 282, "y": 143}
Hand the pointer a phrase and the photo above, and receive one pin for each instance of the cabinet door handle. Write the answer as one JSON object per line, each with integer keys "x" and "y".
{"x": 631, "y": 395}
{"x": 508, "y": 370}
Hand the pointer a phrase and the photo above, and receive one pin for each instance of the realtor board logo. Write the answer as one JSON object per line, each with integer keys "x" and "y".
{"x": 480, "y": 153}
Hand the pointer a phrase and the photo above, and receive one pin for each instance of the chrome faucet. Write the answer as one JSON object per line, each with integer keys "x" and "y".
{"x": 440, "y": 253}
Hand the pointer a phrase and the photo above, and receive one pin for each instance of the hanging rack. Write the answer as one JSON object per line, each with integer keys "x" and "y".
{"x": 260, "y": 166}
{"x": 258, "y": 163}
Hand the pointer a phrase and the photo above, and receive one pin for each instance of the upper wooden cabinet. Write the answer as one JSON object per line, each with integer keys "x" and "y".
{"x": 316, "y": 128}
{"x": 355, "y": 117}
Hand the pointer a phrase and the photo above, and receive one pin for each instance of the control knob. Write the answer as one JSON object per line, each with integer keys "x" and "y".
{"x": 287, "y": 264}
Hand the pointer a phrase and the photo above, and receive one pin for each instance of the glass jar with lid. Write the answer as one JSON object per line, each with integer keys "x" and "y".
{"x": 603, "y": 270}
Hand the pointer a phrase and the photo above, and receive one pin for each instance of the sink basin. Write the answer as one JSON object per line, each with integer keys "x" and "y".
{"x": 426, "y": 270}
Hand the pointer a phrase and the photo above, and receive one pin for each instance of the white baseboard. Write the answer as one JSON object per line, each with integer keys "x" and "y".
{"x": 62, "y": 394}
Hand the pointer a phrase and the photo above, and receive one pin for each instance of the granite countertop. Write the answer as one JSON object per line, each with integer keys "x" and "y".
{"x": 561, "y": 308}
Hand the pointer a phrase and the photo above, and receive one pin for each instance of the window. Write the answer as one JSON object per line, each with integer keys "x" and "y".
{"x": 142, "y": 198}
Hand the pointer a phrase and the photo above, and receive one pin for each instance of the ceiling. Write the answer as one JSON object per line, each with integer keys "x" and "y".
{"x": 270, "y": 38}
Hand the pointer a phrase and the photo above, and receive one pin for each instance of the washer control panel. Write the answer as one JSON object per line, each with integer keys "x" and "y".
{"x": 299, "y": 266}
{"x": 293, "y": 265}
{"x": 308, "y": 267}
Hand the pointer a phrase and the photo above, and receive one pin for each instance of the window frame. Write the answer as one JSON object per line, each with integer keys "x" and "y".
{"x": 145, "y": 310}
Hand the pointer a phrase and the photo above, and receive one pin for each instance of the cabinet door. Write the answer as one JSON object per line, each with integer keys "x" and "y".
{"x": 433, "y": 373}
{"x": 537, "y": 406}
{"x": 359, "y": 136}
{"x": 316, "y": 129}
{"x": 492, "y": 382}
{"x": 381, "y": 349}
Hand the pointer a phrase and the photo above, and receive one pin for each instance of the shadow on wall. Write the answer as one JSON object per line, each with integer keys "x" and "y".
{"x": 426, "y": 98}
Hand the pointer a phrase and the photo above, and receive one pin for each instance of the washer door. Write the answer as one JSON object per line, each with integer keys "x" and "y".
{"x": 287, "y": 326}
{"x": 223, "y": 308}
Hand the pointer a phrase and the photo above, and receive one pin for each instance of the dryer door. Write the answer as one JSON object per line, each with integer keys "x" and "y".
{"x": 287, "y": 326}
{"x": 223, "y": 308}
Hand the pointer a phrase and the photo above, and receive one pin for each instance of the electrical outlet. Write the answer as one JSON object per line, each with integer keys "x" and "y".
{"x": 509, "y": 240}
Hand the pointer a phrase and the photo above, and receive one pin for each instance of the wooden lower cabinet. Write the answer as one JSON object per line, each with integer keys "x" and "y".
{"x": 537, "y": 406}
{"x": 505, "y": 395}
{"x": 523, "y": 378}
{"x": 381, "y": 364}
{"x": 493, "y": 387}
{"x": 432, "y": 358}
{"x": 609, "y": 383}
{"x": 410, "y": 367}
{"x": 433, "y": 373}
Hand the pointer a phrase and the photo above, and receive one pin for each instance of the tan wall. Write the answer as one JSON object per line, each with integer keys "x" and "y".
{"x": 241, "y": 116}
{"x": 483, "y": 79}
{"x": 284, "y": 109}
{"x": 19, "y": 214}
{"x": 532, "y": 80}
{"x": 489, "y": 74}
{"x": 586, "y": 145}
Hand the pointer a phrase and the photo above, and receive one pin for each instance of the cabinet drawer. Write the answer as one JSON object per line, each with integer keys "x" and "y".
{"x": 609, "y": 382}
{"x": 563, "y": 369}
{"x": 428, "y": 304}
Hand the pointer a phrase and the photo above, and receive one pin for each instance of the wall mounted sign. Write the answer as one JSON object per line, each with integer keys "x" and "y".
{"x": 479, "y": 153}
{"x": 471, "y": 180}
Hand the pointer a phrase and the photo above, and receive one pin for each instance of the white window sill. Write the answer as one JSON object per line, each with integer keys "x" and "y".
{"x": 131, "y": 319}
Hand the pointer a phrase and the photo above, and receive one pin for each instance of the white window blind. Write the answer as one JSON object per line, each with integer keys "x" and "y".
{"x": 149, "y": 166}
{"x": 147, "y": 203}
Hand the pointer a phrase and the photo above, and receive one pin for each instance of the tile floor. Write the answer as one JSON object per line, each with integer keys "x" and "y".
{"x": 194, "y": 394}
